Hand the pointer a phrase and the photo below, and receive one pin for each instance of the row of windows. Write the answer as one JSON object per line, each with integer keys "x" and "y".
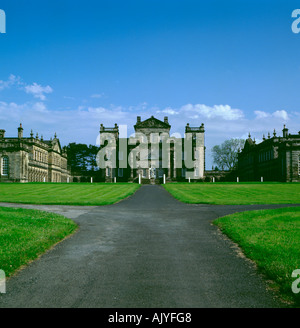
{"x": 144, "y": 172}
{"x": 160, "y": 173}
{"x": 43, "y": 157}
{"x": 56, "y": 177}
{"x": 40, "y": 156}
{"x": 56, "y": 160}
{"x": 183, "y": 156}
{"x": 265, "y": 156}
{"x": 5, "y": 165}
{"x": 37, "y": 175}
{"x": 108, "y": 172}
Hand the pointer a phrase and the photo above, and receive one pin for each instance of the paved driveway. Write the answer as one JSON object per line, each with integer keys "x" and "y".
{"x": 149, "y": 250}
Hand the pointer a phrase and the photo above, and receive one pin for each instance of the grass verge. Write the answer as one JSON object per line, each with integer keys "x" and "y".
{"x": 271, "y": 238}
{"x": 26, "y": 234}
{"x": 66, "y": 193}
{"x": 235, "y": 193}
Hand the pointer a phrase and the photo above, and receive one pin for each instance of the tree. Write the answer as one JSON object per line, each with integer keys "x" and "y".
{"x": 82, "y": 158}
{"x": 225, "y": 156}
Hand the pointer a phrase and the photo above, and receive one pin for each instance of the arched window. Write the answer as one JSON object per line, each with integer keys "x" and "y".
{"x": 4, "y": 165}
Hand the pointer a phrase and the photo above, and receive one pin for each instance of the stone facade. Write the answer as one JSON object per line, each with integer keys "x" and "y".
{"x": 154, "y": 168}
{"x": 274, "y": 159}
{"x": 32, "y": 159}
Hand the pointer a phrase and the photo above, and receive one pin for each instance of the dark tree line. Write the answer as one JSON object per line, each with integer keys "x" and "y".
{"x": 82, "y": 159}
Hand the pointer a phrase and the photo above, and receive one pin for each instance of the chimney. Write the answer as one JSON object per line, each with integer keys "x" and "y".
{"x": 20, "y": 131}
{"x": 138, "y": 119}
{"x": 2, "y": 134}
{"x": 166, "y": 119}
{"x": 285, "y": 132}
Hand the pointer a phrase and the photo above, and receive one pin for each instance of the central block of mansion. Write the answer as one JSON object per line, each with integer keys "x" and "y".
{"x": 164, "y": 155}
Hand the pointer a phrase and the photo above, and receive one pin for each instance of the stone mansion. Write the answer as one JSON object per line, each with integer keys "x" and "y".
{"x": 276, "y": 158}
{"x": 32, "y": 159}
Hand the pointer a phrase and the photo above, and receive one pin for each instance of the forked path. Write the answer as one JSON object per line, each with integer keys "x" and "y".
{"x": 149, "y": 250}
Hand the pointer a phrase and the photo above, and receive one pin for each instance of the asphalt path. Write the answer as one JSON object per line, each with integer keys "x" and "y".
{"x": 147, "y": 251}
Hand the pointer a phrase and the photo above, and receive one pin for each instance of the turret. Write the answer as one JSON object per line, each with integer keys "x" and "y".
{"x": 20, "y": 131}
{"x": 2, "y": 134}
{"x": 285, "y": 132}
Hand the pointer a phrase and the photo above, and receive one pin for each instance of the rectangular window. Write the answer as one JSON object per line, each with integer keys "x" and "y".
{"x": 108, "y": 171}
{"x": 120, "y": 173}
{"x": 4, "y": 165}
{"x": 144, "y": 173}
{"x": 160, "y": 173}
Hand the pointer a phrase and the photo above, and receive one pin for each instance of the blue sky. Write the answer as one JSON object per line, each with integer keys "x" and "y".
{"x": 67, "y": 66}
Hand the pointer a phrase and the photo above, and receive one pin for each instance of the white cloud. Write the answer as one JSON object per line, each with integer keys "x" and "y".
{"x": 224, "y": 112}
{"x": 282, "y": 114}
{"x": 40, "y": 107}
{"x": 96, "y": 109}
{"x": 260, "y": 114}
{"x": 97, "y": 95}
{"x": 168, "y": 111}
{"x": 279, "y": 114}
{"x": 11, "y": 81}
{"x": 37, "y": 90}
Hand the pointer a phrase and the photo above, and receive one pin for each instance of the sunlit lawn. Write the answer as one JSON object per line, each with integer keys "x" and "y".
{"x": 26, "y": 234}
{"x": 236, "y": 193}
{"x": 271, "y": 238}
{"x": 66, "y": 193}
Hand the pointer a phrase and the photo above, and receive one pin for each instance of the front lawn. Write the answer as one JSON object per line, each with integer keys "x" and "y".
{"x": 235, "y": 193}
{"x": 26, "y": 234}
{"x": 271, "y": 238}
{"x": 66, "y": 193}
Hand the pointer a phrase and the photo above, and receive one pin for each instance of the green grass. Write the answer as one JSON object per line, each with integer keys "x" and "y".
{"x": 66, "y": 193}
{"x": 271, "y": 238}
{"x": 26, "y": 234}
{"x": 235, "y": 193}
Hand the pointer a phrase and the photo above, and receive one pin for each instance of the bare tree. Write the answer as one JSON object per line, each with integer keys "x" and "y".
{"x": 225, "y": 156}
